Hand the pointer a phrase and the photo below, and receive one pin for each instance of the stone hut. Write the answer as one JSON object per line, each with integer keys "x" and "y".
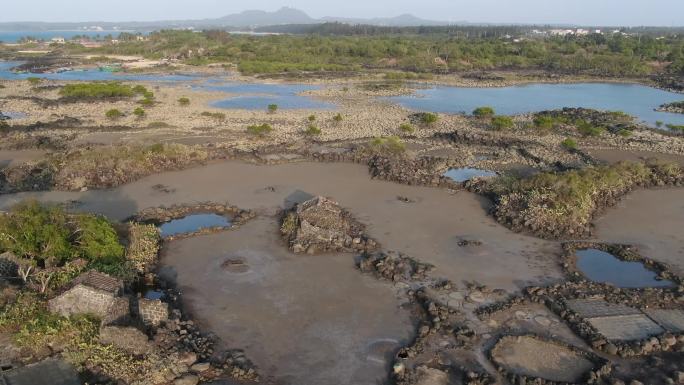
{"x": 91, "y": 292}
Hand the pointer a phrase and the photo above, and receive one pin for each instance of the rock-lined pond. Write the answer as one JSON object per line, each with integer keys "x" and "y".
{"x": 466, "y": 173}
{"x": 192, "y": 223}
{"x": 600, "y": 266}
{"x": 634, "y": 99}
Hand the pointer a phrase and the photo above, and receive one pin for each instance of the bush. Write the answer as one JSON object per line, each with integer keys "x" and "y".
{"x": 544, "y": 122}
{"x": 676, "y": 128}
{"x": 391, "y": 144}
{"x": 34, "y": 81}
{"x": 220, "y": 116}
{"x": 184, "y": 101}
{"x": 659, "y": 123}
{"x": 42, "y": 232}
{"x": 147, "y": 102}
{"x": 272, "y": 108}
{"x": 311, "y": 118}
{"x": 139, "y": 112}
{"x": 113, "y": 114}
{"x": 260, "y": 130}
{"x": 158, "y": 125}
{"x": 625, "y": 133}
{"x": 312, "y": 130}
{"x": 407, "y": 128}
{"x": 483, "y": 112}
{"x": 587, "y": 129}
{"x": 98, "y": 90}
{"x": 337, "y": 118}
{"x": 502, "y": 122}
{"x": 428, "y": 117}
{"x": 569, "y": 144}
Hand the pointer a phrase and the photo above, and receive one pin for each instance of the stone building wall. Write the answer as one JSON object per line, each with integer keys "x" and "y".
{"x": 152, "y": 312}
{"x": 81, "y": 300}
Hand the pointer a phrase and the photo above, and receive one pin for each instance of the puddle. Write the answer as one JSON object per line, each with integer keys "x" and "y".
{"x": 153, "y": 294}
{"x": 466, "y": 173}
{"x": 13, "y": 114}
{"x": 192, "y": 223}
{"x": 382, "y": 350}
{"x": 255, "y": 96}
{"x": 600, "y": 266}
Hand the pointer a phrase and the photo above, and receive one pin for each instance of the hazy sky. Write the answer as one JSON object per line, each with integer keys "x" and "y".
{"x": 613, "y": 12}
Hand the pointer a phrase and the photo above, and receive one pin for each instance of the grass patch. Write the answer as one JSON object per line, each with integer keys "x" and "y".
{"x": 139, "y": 112}
{"x": 562, "y": 204}
{"x": 427, "y": 118}
{"x": 484, "y": 112}
{"x": 389, "y": 144}
{"x": 502, "y": 123}
{"x": 260, "y": 129}
{"x": 220, "y": 116}
{"x": 312, "y": 130}
{"x": 569, "y": 144}
{"x": 100, "y": 90}
{"x": 407, "y": 128}
{"x": 110, "y": 166}
{"x": 114, "y": 114}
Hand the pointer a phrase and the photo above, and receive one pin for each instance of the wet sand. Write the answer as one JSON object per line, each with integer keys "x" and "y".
{"x": 428, "y": 230}
{"x": 10, "y": 158}
{"x": 616, "y": 155}
{"x": 302, "y": 319}
{"x": 651, "y": 220}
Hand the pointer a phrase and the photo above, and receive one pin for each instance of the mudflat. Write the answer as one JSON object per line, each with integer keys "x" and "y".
{"x": 429, "y": 229}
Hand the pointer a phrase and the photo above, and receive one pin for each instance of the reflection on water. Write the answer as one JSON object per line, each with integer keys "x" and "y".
{"x": 636, "y": 100}
{"x": 192, "y": 223}
{"x": 600, "y": 266}
{"x": 466, "y": 173}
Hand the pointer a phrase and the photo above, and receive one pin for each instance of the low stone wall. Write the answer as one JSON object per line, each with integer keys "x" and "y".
{"x": 82, "y": 300}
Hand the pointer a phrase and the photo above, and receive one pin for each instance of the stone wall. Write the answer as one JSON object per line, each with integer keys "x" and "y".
{"x": 152, "y": 312}
{"x": 82, "y": 300}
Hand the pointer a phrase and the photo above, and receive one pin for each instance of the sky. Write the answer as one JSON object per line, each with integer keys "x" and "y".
{"x": 584, "y": 12}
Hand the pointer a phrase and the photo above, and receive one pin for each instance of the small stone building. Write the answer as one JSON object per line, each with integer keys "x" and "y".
{"x": 151, "y": 311}
{"x": 90, "y": 293}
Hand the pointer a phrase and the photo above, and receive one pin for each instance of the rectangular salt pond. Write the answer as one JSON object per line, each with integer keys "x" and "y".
{"x": 192, "y": 223}
{"x": 465, "y": 173}
{"x": 603, "y": 267}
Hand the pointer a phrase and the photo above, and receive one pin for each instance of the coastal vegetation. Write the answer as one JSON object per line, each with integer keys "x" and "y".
{"x": 113, "y": 114}
{"x": 184, "y": 101}
{"x": 410, "y": 54}
{"x": 260, "y": 130}
{"x": 562, "y": 204}
{"x": 101, "y": 90}
{"x": 388, "y": 144}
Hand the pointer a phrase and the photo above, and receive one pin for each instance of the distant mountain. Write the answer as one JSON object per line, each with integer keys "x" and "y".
{"x": 242, "y": 20}
{"x": 261, "y": 18}
{"x": 405, "y": 20}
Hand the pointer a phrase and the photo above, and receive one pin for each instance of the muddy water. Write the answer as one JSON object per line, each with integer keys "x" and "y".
{"x": 301, "y": 319}
{"x": 650, "y": 219}
{"x": 429, "y": 229}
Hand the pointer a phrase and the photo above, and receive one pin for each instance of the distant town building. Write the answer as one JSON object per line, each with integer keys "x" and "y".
{"x": 58, "y": 40}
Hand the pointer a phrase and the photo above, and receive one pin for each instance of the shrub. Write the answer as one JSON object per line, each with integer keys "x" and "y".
{"x": 483, "y": 112}
{"x": 220, "y": 116}
{"x": 428, "y": 117}
{"x": 587, "y": 129}
{"x": 625, "y": 133}
{"x": 659, "y": 123}
{"x": 312, "y": 130}
{"x": 158, "y": 125}
{"x": 272, "y": 108}
{"x": 311, "y": 118}
{"x": 97, "y": 90}
{"x": 390, "y": 144}
{"x": 569, "y": 143}
{"x": 97, "y": 240}
{"x": 674, "y": 127}
{"x": 407, "y": 128}
{"x": 337, "y": 118}
{"x": 139, "y": 112}
{"x": 43, "y": 232}
{"x": 544, "y": 122}
{"x": 34, "y": 81}
{"x": 184, "y": 101}
{"x": 260, "y": 130}
{"x": 502, "y": 122}
{"x": 147, "y": 102}
{"x": 113, "y": 114}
